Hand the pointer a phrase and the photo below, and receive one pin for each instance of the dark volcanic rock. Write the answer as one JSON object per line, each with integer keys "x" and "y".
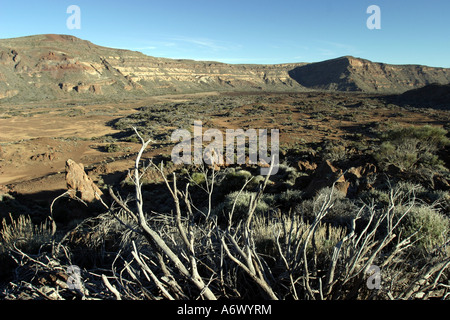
{"x": 434, "y": 95}
{"x": 325, "y": 176}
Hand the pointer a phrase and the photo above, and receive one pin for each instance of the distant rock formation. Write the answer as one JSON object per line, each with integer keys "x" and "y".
{"x": 60, "y": 67}
{"x": 355, "y": 74}
{"x": 54, "y": 67}
{"x": 434, "y": 95}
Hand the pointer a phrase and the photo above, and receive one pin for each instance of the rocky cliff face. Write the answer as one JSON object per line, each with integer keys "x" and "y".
{"x": 53, "y": 67}
{"x": 353, "y": 74}
{"x": 59, "y": 66}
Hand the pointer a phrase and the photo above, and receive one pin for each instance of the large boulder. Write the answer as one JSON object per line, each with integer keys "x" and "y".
{"x": 361, "y": 177}
{"x": 80, "y": 184}
{"x": 325, "y": 176}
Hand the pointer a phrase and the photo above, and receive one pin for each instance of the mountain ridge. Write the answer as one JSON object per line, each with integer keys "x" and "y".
{"x": 54, "y": 67}
{"x": 356, "y": 74}
{"x": 434, "y": 95}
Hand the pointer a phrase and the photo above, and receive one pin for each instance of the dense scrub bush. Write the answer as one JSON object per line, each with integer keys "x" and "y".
{"x": 238, "y": 203}
{"x": 334, "y": 152}
{"x": 153, "y": 121}
{"x": 341, "y": 212}
{"x": 287, "y": 174}
{"x": 433, "y": 228}
{"x": 111, "y": 148}
{"x": 323, "y": 249}
{"x": 290, "y": 198}
{"x": 234, "y": 179}
{"x": 197, "y": 178}
{"x": 413, "y": 150}
{"x": 378, "y": 196}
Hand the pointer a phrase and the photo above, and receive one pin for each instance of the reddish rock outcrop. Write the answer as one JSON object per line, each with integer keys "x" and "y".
{"x": 325, "y": 175}
{"x": 361, "y": 171}
{"x": 80, "y": 184}
{"x": 359, "y": 177}
{"x": 33, "y": 65}
{"x": 306, "y": 166}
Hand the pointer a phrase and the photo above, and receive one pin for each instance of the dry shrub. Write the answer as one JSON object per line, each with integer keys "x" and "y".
{"x": 413, "y": 150}
{"x": 262, "y": 253}
{"x": 24, "y": 234}
{"x": 292, "y": 228}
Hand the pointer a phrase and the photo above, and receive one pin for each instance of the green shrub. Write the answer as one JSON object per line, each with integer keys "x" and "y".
{"x": 287, "y": 174}
{"x": 412, "y": 148}
{"x": 241, "y": 201}
{"x": 234, "y": 180}
{"x": 110, "y": 148}
{"x": 334, "y": 152}
{"x": 341, "y": 213}
{"x": 197, "y": 178}
{"x": 433, "y": 227}
{"x": 290, "y": 198}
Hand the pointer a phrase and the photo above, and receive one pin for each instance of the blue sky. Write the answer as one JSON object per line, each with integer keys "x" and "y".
{"x": 247, "y": 31}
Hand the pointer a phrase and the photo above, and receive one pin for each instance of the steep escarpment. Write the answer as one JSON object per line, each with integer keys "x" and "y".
{"x": 354, "y": 74}
{"x": 59, "y": 66}
{"x": 62, "y": 67}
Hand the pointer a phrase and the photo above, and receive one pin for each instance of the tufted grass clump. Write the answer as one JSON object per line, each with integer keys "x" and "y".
{"x": 24, "y": 234}
{"x": 267, "y": 230}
